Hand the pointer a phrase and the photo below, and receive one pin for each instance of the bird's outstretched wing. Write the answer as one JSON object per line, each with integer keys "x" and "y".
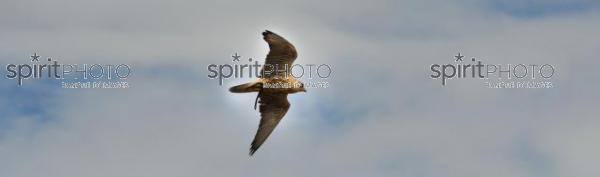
{"x": 273, "y": 107}
{"x": 281, "y": 55}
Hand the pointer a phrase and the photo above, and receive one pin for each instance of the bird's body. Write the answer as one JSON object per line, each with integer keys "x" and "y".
{"x": 270, "y": 85}
{"x": 275, "y": 84}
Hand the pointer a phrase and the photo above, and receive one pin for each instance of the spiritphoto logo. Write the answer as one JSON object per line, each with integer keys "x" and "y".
{"x": 496, "y": 75}
{"x": 314, "y": 75}
{"x": 71, "y": 75}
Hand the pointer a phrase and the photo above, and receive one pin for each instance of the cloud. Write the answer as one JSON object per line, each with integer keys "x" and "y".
{"x": 382, "y": 115}
{"x": 536, "y": 8}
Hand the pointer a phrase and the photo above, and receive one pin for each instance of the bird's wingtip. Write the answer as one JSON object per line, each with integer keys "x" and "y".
{"x": 252, "y": 151}
{"x": 253, "y": 148}
{"x": 266, "y": 32}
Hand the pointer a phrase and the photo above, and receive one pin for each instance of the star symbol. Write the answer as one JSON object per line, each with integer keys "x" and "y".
{"x": 459, "y": 57}
{"x": 236, "y": 57}
{"x": 35, "y": 57}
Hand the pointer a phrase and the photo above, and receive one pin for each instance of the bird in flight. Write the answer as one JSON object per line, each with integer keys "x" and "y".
{"x": 273, "y": 86}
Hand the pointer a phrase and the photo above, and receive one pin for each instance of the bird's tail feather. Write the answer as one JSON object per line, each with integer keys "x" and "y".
{"x": 247, "y": 87}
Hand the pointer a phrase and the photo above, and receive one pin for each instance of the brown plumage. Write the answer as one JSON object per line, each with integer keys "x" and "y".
{"x": 273, "y": 101}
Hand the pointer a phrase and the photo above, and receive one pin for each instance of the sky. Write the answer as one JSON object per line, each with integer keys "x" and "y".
{"x": 382, "y": 114}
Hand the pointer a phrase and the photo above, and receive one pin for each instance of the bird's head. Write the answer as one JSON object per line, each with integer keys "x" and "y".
{"x": 302, "y": 88}
{"x": 297, "y": 87}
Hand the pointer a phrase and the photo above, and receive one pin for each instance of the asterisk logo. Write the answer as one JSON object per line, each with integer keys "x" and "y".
{"x": 35, "y": 57}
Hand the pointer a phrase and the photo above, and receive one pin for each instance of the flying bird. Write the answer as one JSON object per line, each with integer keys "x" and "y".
{"x": 273, "y": 86}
